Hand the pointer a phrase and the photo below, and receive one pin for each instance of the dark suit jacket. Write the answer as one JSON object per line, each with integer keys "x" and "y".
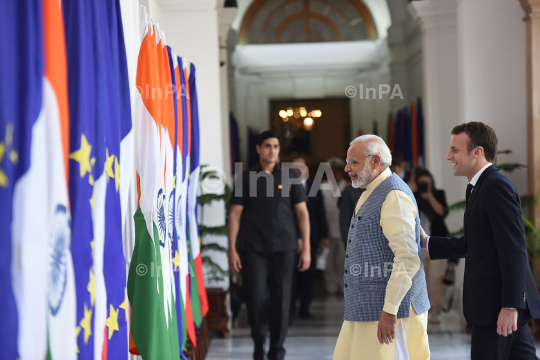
{"x": 347, "y": 204}
{"x": 497, "y": 272}
{"x": 317, "y": 216}
{"x": 438, "y": 226}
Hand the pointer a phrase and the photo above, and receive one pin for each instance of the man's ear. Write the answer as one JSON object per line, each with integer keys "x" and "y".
{"x": 478, "y": 152}
{"x": 258, "y": 148}
{"x": 376, "y": 160}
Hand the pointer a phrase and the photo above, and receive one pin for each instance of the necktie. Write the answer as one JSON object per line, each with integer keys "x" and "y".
{"x": 468, "y": 195}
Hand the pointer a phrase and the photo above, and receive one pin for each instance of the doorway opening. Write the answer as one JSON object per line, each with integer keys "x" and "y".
{"x": 315, "y": 129}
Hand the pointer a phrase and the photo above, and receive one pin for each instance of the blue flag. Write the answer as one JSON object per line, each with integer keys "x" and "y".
{"x": 21, "y": 82}
{"x": 113, "y": 121}
{"x": 81, "y": 84}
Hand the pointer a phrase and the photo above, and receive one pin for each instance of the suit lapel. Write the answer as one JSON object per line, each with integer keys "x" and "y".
{"x": 475, "y": 192}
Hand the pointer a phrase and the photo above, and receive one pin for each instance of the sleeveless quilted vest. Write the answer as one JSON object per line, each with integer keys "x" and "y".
{"x": 369, "y": 261}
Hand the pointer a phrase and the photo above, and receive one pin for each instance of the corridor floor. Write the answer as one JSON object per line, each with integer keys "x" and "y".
{"x": 316, "y": 338}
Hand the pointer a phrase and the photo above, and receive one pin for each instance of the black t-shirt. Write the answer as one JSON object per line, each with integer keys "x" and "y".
{"x": 268, "y": 221}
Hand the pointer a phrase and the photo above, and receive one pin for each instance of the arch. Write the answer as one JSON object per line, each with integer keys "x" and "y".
{"x": 350, "y": 11}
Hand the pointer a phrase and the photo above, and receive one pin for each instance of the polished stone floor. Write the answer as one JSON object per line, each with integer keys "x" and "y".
{"x": 316, "y": 338}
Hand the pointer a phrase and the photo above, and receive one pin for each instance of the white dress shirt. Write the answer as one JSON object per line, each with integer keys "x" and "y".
{"x": 473, "y": 182}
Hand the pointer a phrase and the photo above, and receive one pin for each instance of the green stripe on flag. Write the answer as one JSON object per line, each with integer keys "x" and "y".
{"x": 194, "y": 289}
{"x": 184, "y": 326}
{"x": 156, "y": 336}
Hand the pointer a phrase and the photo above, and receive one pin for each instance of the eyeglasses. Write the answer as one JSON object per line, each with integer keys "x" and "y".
{"x": 353, "y": 162}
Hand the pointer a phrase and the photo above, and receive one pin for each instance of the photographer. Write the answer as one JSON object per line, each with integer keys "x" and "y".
{"x": 432, "y": 209}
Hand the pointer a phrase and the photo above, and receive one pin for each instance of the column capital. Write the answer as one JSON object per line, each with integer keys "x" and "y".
{"x": 531, "y": 7}
{"x": 435, "y": 14}
{"x": 188, "y": 5}
{"x": 225, "y": 18}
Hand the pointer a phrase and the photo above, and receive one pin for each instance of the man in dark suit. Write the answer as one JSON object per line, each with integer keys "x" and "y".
{"x": 303, "y": 282}
{"x": 499, "y": 292}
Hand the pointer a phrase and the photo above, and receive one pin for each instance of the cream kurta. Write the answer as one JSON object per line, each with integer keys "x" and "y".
{"x": 358, "y": 340}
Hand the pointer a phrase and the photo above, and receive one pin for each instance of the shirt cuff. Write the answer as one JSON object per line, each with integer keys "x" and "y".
{"x": 390, "y": 308}
{"x": 427, "y": 243}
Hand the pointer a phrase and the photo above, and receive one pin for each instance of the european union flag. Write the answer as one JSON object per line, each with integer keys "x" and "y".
{"x": 21, "y": 82}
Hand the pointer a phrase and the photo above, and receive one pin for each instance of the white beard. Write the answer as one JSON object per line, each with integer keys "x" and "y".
{"x": 364, "y": 177}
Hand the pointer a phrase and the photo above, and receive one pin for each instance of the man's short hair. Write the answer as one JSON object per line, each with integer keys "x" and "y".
{"x": 397, "y": 159}
{"x": 479, "y": 134}
{"x": 375, "y": 145}
{"x": 268, "y": 134}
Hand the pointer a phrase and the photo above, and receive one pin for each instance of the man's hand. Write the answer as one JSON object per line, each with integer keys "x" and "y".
{"x": 325, "y": 243}
{"x": 386, "y": 330}
{"x": 300, "y": 246}
{"x": 507, "y": 322}
{"x": 305, "y": 260}
{"x": 423, "y": 238}
{"x": 234, "y": 261}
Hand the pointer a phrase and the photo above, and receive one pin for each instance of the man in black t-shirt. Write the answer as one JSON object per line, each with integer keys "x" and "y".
{"x": 262, "y": 217}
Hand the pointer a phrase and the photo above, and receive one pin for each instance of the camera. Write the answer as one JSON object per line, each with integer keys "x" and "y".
{"x": 422, "y": 187}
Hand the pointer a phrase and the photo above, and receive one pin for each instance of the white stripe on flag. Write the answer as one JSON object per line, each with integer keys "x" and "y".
{"x": 100, "y": 309}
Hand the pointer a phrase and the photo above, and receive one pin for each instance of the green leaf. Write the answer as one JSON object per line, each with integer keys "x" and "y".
{"x": 207, "y": 199}
{"x": 213, "y": 230}
{"x": 213, "y": 272}
{"x": 213, "y": 247}
{"x": 528, "y": 201}
{"x": 458, "y": 233}
{"x": 532, "y": 236}
{"x": 510, "y": 167}
{"x": 504, "y": 152}
{"x": 460, "y": 205}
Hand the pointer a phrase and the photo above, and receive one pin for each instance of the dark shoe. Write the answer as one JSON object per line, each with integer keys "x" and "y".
{"x": 305, "y": 315}
{"x": 258, "y": 352}
{"x": 449, "y": 277}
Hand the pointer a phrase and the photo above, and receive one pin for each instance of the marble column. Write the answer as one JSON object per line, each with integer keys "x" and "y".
{"x": 225, "y": 19}
{"x": 532, "y": 19}
{"x": 441, "y": 101}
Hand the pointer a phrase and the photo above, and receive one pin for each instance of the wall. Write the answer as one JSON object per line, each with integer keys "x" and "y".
{"x": 493, "y": 80}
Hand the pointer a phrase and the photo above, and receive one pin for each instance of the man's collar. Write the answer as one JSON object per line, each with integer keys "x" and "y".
{"x": 258, "y": 166}
{"x": 379, "y": 179}
{"x": 475, "y": 178}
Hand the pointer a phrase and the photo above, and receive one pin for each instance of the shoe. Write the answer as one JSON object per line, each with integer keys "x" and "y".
{"x": 305, "y": 315}
{"x": 449, "y": 277}
{"x": 258, "y": 352}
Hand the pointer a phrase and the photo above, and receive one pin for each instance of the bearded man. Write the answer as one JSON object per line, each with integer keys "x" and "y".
{"x": 386, "y": 300}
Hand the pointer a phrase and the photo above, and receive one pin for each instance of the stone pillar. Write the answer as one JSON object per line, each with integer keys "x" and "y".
{"x": 225, "y": 19}
{"x": 438, "y": 19}
{"x": 441, "y": 102}
{"x": 493, "y": 76}
{"x": 532, "y": 19}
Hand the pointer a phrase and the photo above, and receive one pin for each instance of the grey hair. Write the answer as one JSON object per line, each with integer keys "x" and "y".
{"x": 375, "y": 146}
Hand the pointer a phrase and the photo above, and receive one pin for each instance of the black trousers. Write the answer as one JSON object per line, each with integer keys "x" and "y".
{"x": 486, "y": 344}
{"x": 268, "y": 274}
{"x": 303, "y": 284}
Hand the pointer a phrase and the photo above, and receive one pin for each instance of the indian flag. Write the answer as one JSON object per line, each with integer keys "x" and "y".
{"x": 181, "y": 199}
{"x": 198, "y": 290}
{"x": 154, "y": 331}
